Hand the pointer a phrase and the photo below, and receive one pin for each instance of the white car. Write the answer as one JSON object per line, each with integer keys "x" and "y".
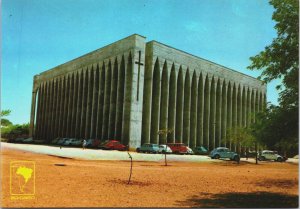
{"x": 271, "y": 155}
{"x": 189, "y": 151}
{"x": 164, "y": 149}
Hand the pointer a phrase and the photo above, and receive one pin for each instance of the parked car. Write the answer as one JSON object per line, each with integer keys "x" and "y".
{"x": 61, "y": 141}
{"x": 92, "y": 143}
{"x": 163, "y": 148}
{"x": 19, "y": 140}
{"x": 54, "y": 141}
{"x": 28, "y": 140}
{"x": 179, "y": 148}
{"x": 148, "y": 148}
{"x": 113, "y": 145}
{"x": 271, "y": 155}
{"x": 189, "y": 151}
{"x": 200, "y": 150}
{"x": 76, "y": 142}
{"x": 223, "y": 152}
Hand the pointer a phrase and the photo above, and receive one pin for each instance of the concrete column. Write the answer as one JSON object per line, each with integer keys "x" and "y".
{"x": 95, "y": 102}
{"x": 244, "y": 120}
{"x": 50, "y": 111}
{"x": 179, "y": 107}
{"x": 146, "y": 118}
{"x": 120, "y": 99}
{"x": 229, "y": 109}
{"x": 212, "y": 115}
{"x": 70, "y": 105}
{"x": 186, "y": 108}
{"x": 254, "y": 109}
{"x": 39, "y": 112}
{"x": 239, "y": 106}
{"x": 113, "y": 100}
{"x": 106, "y": 102}
{"x": 75, "y": 103}
{"x": 61, "y": 106}
{"x": 234, "y": 110}
{"x": 90, "y": 93}
{"x": 164, "y": 97}
{"x": 101, "y": 95}
{"x": 206, "y": 117}
{"x": 79, "y": 104}
{"x": 155, "y": 103}
{"x": 193, "y": 112}
{"x": 248, "y": 108}
{"x": 218, "y": 114}
{"x": 66, "y": 102}
{"x": 56, "y": 109}
{"x": 172, "y": 105}
{"x": 258, "y": 101}
{"x": 84, "y": 104}
{"x": 224, "y": 114}
{"x": 200, "y": 111}
{"x": 33, "y": 106}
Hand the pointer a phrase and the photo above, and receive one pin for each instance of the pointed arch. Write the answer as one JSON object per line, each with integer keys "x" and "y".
{"x": 120, "y": 99}
{"x": 113, "y": 100}
{"x": 186, "y": 108}
{"x": 179, "y": 107}
{"x": 193, "y": 111}
{"x": 206, "y": 121}
{"x": 164, "y": 97}
{"x": 200, "y": 113}
{"x": 155, "y": 103}
{"x": 212, "y": 115}
{"x": 127, "y": 101}
{"x": 172, "y": 105}
{"x": 224, "y": 114}
{"x": 218, "y": 114}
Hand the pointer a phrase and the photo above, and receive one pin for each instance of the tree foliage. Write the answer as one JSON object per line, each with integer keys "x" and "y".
{"x": 278, "y": 125}
{"x": 14, "y": 131}
{"x": 5, "y": 113}
{"x": 4, "y": 121}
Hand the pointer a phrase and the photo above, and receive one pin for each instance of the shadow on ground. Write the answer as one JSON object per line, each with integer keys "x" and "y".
{"x": 241, "y": 200}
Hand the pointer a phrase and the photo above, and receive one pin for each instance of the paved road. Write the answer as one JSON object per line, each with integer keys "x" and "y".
{"x": 96, "y": 154}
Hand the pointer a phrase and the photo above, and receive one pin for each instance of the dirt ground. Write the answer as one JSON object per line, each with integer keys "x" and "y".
{"x": 86, "y": 183}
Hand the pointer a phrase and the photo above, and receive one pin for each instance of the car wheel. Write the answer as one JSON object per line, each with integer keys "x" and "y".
{"x": 217, "y": 157}
{"x": 279, "y": 159}
{"x": 236, "y": 158}
{"x": 138, "y": 150}
{"x": 262, "y": 158}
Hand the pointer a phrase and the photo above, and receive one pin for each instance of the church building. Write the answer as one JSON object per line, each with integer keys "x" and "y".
{"x": 143, "y": 92}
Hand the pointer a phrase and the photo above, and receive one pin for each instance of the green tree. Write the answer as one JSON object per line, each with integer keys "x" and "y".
{"x": 280, "y": 60}
{"x": 4, "y": 121}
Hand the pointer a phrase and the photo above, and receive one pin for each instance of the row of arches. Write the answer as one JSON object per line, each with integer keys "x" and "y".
{"x": 197, "y": 109}
{"x": 92, "y": 102}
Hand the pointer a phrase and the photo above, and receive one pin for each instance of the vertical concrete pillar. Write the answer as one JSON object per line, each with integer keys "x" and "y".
{"x": 179, "y": 107}
{"x": 155, "y": 103}
{"x": 90, "y": 90}
{"x": 212, "y": 115}
{"x": 57, "y": 101}
{"x": 239, "y": 106}
{"x": 33, "y": 106}
{"x": 164, "y": 97}
{"x": 172, "y": 105}
{"x": 224, "y": 115}
{"x": 106, "y": 102}
{"x": 244, "y": 103}
{"x": 248, "y": 108}
{"x": 186, "y": 108}
{"x": 218, "y": 114}
{"x": 253, "y": 105}
{"x": 84, "y": 103}
{"x": 200, "y": 111}
{"x": 66, "y": 102}
{"x": 61, "y": 106}
{"x": 113, "y": 100}
{"x": 79, "y": 103}
{"x": 50, "y": 109}
{"x": 147, "y": 97}
{"x": 206, "y": 117}
{"x": 39, "y": 112}
{"x": 120, "y": 99}
{"x": 193, "y": 112}
{"x": 101, "y": 96}
{"x": 74, "y": 106}
{"x": 234, "y": 109}
{"x": 70, "y": 105}
{"x": 229, "y": 109}
{"x": 95, "y": 102}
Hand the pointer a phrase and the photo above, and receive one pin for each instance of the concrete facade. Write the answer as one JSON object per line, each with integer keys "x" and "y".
{"x": 131, "y": 89}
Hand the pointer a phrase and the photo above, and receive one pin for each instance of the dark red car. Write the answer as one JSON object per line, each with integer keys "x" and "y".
{"x": 178, "y": 148}
{"x": 112, "y": 145}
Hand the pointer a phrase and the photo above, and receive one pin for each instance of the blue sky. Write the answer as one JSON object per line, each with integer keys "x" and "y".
{"x": 40, "y": 34}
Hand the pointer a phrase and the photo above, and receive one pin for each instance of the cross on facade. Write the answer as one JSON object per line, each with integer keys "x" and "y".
{"x": 138, "y": 81}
